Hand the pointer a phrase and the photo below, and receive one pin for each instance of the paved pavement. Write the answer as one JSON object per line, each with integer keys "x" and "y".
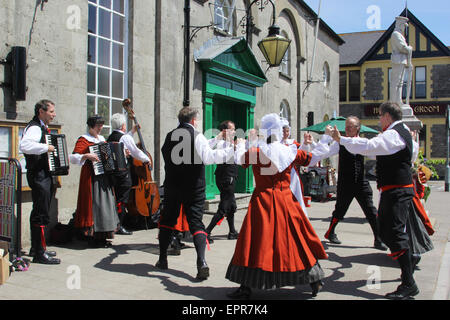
{"x": 354, "y": 270}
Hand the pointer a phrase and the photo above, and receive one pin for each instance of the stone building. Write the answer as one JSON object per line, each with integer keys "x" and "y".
{"x": 365, "y": 73}
{"x": 87, "y": 56}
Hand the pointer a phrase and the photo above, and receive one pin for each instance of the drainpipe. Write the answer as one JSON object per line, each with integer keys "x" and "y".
{"x": 157, "y": 108}
{"x": 187, "y": 51}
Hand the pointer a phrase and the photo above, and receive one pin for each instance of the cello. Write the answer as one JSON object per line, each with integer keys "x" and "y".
{"x": 144, "y": 197}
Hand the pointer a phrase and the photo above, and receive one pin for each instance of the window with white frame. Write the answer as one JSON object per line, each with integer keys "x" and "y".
{"x": 224, "y": 11}
{"x": 284, "y": 111}
{"x": 421, "y": 82}
{"x": 285, "y": 66}
{"x": 107, "y": 58}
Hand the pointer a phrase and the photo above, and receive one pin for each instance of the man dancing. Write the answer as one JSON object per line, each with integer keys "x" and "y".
{"x": 352, "y": 183}
{"x": 185, "y": 152}
{"x": 393, "y": 149}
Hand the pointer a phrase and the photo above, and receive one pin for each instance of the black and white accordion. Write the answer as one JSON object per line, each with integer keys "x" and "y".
{"x": 58, "y": 160}
{"x": 112, "y": 158}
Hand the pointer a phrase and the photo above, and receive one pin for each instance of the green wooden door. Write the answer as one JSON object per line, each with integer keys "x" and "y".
{"x": 231, "y": 74}
{"x": 236, "y": 111}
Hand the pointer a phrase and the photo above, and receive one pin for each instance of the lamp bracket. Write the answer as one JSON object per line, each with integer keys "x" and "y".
{"x": 249, "y": 25}
{"x": 196, "y": 29}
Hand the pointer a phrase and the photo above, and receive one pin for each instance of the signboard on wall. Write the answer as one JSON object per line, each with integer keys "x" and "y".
{"x": 419, "y": 108}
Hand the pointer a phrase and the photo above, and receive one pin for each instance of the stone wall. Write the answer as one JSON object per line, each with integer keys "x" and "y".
{"x": 440, "y": 77}
{"x": 438, "y": 143}
{"x": 373, "y": 80}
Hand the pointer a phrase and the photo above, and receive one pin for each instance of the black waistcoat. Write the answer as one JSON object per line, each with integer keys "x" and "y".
{"x": 183, "y": 165}
{"x": 351, "y": 167}
{"x": 37, "y": 162}
{"x": 115, "y": 136}
{"x": 395, "y": 169}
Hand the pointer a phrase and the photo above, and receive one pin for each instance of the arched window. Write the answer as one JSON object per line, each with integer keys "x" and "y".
{"x": 224, "y": 12}
{"x": 326, "y": 74}
{"x": 285, "y": 111}
{"x": 285, "y": 66}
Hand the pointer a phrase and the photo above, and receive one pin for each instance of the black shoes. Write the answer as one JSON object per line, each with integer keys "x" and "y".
{"x": 332, "y": 237}
{"x": 44, "y": 258}
{"x": 121, "y": 230}
{"x": 96, "y": 243}
{"x": 49, "y": 253}
{"x": 242, "y": 293}
{"x": 233, "y": 235}
{"x": 378, "y": 244}
{"x": 316, "y": 287}
{"x": 162, "y": 264}
{"x": 403, "y": 292}
{"x": 202, "y": 270}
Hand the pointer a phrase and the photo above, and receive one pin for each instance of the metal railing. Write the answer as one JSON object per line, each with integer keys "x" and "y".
{"x": 11, "y": 178}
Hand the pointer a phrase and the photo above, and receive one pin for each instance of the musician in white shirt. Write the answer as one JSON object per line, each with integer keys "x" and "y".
{"x": 33, "y": 146}
{"x": 123, "y": 180}
{"x": 118, "y": 124}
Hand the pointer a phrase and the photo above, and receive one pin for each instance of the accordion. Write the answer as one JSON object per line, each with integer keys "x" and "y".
{"x": 111, "y": 156}
{"x": 58, "y": 160}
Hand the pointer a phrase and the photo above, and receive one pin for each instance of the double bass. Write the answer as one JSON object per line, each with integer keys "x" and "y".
{"x": 144, "y": 197}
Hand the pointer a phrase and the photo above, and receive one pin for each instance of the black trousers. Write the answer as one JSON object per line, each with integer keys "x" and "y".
{"x": 227, "y": 204}
{"x": 41, "y": 184}
{"x": 362, "y": 192}
{"x": 393, "y": 212}
{"x": 122, "y": 186}
{"x": 193, "y": 205}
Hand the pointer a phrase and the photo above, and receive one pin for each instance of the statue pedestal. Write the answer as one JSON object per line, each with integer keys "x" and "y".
{"x": 410, "y": 119}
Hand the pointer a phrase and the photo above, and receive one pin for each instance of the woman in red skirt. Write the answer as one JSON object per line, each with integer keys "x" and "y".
{"x": 277, "y": 245}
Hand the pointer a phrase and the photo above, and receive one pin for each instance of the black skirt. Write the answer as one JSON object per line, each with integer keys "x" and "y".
{"x": 259, "y": 279}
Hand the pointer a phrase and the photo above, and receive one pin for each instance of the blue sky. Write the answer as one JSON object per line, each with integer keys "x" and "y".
{"x": 351, "y": 15}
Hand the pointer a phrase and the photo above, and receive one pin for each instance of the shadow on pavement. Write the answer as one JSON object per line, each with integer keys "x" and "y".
{"x": 357, "y": 288}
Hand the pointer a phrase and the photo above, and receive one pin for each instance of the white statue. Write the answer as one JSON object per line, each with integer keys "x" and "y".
{"x": 401, "y": 59}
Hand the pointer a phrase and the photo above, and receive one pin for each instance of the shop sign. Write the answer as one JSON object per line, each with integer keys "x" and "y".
{"x": 419, "y": 108}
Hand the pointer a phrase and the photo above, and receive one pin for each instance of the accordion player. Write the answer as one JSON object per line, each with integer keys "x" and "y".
{"x": 112, "y": 158}
{"x": 58, "y": 160}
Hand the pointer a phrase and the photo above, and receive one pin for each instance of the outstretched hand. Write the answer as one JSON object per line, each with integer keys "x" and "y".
{"x": 329, "y": 130}
{"x": 308, "y": 139}
{"x": 336, "y": 135}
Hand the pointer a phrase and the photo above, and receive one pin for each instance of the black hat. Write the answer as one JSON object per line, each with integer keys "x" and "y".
{"x": 95, "y": 119}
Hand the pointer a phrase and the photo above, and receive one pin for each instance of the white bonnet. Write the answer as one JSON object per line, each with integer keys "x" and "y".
{"x": 271, "y": 124}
